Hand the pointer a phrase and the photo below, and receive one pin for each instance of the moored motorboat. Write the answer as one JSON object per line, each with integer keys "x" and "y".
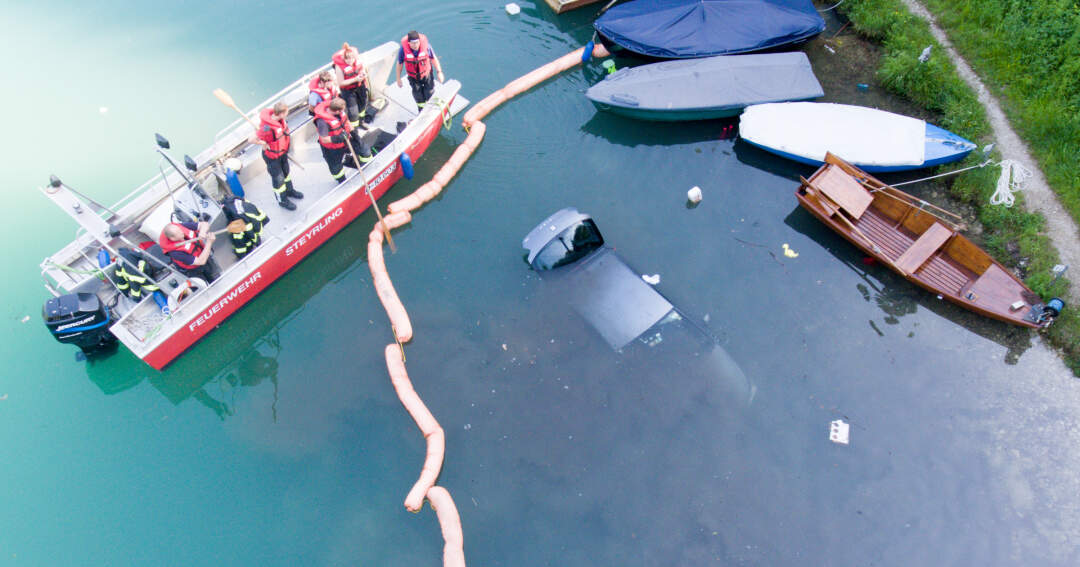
{"x": 903, "y": 233}
{"x": 87, "y": 308}
{"x": 680, "y": 29}
{"x": 871, "y": 139}
{"x": 710, "y": 87}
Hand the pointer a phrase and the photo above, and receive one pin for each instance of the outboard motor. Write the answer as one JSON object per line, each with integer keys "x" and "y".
{"x": 79, "y": 319}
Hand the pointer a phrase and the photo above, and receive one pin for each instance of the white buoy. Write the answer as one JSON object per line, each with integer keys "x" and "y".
{"x": 694, "y": 194}
{"x": 103, "y": 109}
{"x": 651, "y": 280}
{"x": 513, "y": 9}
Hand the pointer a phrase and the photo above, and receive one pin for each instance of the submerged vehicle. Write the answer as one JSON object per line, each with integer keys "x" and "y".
{"x": 88, "y": 307}
{"x": 681, "y": 29}
{"x": 711, "y": 87}
{"x": 568, "y": 252}
{"x": 902, "y": 233}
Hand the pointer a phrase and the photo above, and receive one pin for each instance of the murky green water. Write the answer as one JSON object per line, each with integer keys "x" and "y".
{"x": 279, "y": 439}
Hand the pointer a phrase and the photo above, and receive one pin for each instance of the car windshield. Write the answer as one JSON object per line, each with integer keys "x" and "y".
{"x": 569, "y": 246}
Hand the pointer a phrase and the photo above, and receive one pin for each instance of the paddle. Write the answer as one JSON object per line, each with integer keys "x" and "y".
{"x": 367, "y": 189}
{"x": 228, "y": 101}
{"x": 235, "y": 227}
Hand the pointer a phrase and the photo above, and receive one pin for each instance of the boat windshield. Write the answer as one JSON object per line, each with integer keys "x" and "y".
{"x": 572, "y": 244}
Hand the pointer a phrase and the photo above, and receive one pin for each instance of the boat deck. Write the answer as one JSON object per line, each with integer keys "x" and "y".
{"x": 939, "y": 271}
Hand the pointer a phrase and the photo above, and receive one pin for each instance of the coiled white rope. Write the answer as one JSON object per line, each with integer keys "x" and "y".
{"x": 1012, "y": 179}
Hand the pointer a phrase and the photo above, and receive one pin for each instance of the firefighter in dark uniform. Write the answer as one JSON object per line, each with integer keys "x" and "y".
{"x": 333, "y": 125}
{"x": 254, "y": 221}
{"x": 352, "y": 80}
{"x": 418, "y": 58}
{"x": 133, "y": 275}
{"x": 273, "y": 136}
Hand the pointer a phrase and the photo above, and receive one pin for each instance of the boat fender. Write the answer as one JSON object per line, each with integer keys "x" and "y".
{"x": 162, "y": 302}
{"x": 587, "y": 53}
{"x": 103, "y": 258}
{"x": 406, "y": 165}
{"x": 184, "y": 291}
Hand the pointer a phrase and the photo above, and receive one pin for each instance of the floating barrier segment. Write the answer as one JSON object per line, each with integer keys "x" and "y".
{"x": 450, "y": 522}
{"x": 433, "y": 432}
{"x": 528, "y": 81}
{"x": 400, "y": 215}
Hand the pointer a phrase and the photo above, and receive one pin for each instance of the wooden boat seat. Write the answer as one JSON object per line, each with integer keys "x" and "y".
{"x": 837, "y": 185}
{"x": 994, "y": 287}
{"x": 921, "y": 250}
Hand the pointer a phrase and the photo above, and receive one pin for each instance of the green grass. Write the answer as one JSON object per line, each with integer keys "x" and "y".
{"x": 1028, "y": 53}
{"x": 1045, "y": 103}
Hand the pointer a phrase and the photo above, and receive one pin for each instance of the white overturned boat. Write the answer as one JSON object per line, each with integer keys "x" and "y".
{"x": 872, "y": 140}
{"x": 89, "y": 311}
{"x": 711, "y": 87}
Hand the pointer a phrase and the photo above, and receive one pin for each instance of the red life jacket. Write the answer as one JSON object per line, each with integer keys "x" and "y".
{"x": 194, "y": 248}
{"x": 417, "y": 65}
{"x": 338, "y": 124}
{"x": 348, "y": 70}
{"x": 325, "y": 93}
{"x": 274, "y": 132}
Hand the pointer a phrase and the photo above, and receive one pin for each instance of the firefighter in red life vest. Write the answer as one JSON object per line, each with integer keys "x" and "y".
{"x": 322, "y": 87}
{"x": 180, "y": 243}
{"x": 273, "y": 136}
{"x": 352, "y": 79}
{"x": 333, "y": 125}
{"x": 418, "y": 57}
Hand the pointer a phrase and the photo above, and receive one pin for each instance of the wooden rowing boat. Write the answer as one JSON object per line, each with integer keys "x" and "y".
{"x": 919, "y": 242}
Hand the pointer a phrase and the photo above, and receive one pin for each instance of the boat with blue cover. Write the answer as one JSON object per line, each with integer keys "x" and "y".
{"x": 710, "y": 87}
{"x": 679, "y": 29}
{"x": 871, "y": 139}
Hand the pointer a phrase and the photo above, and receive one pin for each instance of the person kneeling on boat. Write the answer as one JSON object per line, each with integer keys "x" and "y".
{"x": 333, "y": 126}
{"x": 133, "y": 276}
{"x": 417, "y": 56}
{"x": 273, "y": 135}
{"x": 352, "y": 79}
{"x": 183, "y": 244}
{"x": 254, "y": 220}
{"x": 322, "y": 87}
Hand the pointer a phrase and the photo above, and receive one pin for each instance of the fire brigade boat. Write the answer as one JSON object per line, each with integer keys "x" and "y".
{"x": 87, "y": 308}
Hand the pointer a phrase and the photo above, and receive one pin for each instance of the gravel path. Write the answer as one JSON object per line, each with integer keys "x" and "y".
{"x": 1060, "y": 226}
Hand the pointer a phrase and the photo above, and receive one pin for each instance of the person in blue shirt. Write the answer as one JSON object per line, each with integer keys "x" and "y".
{"x": 418, "y": 59}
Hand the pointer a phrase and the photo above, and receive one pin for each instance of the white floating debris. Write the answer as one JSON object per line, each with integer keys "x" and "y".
{"x": 838, "y": 432}
{"x": 651, "y": 280}
{"x": 789, "y": 252}
{"x": 103, "y": 109}
{"x": 513, "y": 9}
{"x": 24, "y": 319}
{"x": 504, "y": 348}
{"x": 694, "y": 194}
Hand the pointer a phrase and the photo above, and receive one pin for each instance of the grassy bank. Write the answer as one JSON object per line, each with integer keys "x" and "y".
{"x": 1013, "y": 235}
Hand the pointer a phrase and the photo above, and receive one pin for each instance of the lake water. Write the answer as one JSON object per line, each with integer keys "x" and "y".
{"x": 279, "y": 439}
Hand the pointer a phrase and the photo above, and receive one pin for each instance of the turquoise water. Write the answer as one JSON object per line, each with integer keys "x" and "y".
{"x": 279, "y": 440}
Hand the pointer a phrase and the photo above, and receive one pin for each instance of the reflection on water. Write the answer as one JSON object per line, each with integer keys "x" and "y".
{"x": 897, "y": 297}
{"x": 215, "y": 370}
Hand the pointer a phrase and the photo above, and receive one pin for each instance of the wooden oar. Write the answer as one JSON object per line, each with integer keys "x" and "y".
{"x": 235, "y": 227}
{"x": 367, "y": 189}
{"x": 913, "y": 203}
{"x": 840, "y": 213}
{"x": 228, "y": 101}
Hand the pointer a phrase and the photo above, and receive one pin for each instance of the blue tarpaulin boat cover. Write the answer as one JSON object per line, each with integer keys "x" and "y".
{"x": 676, "y": 29}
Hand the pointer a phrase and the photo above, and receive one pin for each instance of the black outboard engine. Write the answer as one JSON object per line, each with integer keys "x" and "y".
{"x": 79, "y": 319}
